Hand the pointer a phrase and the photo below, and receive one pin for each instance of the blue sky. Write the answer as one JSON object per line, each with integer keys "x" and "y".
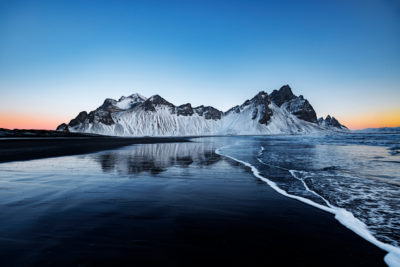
{"x": 60, "y": 57}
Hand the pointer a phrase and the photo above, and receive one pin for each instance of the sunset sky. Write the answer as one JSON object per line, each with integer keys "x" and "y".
{"x": 58, "y": 58}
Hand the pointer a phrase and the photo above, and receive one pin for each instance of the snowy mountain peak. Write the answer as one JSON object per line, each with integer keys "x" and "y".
{"x": 282, "y": 112}
{"x": 284, "y": 94}
{"x": 259, "y": 107}
{"x": 134, "y": 98}
{"x": 157, "y": 101}
{"x": 261, "y": 98}
{"x": 296, "y": 105}
{"x": 331, "y": 122}
{"x": 124, "y": 103}
{"x": 184, "y": 110}
{"x": 138, "y": 97}
{"x": 108, "y": 103}
{"x": 208, "y": 112}
{"x": 79, "y": 119}
{"x": 301, "y": 108}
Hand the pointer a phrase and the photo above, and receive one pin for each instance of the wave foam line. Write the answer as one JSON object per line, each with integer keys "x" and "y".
{"x": 345, "y": 217}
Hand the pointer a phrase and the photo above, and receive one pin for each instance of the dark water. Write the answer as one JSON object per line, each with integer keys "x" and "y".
{"x": 356, "y": 174}
{"x": 182, "y": 203}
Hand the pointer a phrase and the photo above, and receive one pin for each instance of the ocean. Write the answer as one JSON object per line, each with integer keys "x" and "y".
{"x": 354, "y": 176}
{"x": 238, "y": 199}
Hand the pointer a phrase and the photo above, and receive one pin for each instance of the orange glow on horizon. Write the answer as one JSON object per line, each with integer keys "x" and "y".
{"x": 378, "y": 119}
{"x": 388, "y": 118}
{"x": 28, "y": 121}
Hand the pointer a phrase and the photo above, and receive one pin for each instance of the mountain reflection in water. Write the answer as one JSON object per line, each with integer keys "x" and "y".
{"x": 186, "y": 206}
{"x": 156, "y": 158}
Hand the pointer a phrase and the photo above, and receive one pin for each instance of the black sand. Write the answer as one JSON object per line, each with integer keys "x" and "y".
{"x": 212, "y": 212}
{"x": 15, "y": 149}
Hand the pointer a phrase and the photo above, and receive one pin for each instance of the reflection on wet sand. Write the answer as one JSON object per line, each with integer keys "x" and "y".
{"x": 203, "y": 209}
{"x": 156, "y": 158}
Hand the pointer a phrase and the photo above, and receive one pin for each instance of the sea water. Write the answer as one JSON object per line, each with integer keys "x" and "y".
{"x": 59, "y": 203}
{"x": 354, "y": 176}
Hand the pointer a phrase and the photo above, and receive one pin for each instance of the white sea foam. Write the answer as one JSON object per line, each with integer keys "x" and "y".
{"x": 345, "y": 217}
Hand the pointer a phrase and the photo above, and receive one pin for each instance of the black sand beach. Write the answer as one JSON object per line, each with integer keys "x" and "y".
{"x": 25, "y": 148}
{"x": 176, "y": 204}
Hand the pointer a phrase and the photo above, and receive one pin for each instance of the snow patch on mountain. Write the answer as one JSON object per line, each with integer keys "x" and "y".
{"x": 127, "y": 102}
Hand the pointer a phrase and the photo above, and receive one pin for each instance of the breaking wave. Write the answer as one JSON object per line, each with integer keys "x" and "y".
{"x": 344, "y": 216}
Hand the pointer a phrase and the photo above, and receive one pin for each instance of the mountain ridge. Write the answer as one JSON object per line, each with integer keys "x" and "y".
{"x": 280, "y": 112}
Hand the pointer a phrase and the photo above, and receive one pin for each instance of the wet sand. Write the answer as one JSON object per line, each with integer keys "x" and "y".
{"x": 24, "y": 148}
{"x": 176, "y": 204}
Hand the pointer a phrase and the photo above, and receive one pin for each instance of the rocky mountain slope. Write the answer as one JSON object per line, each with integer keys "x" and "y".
{"x": 281, "y": 112}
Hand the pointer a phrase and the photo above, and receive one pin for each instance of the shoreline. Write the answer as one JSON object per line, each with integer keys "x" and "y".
{"x": 343, "y": 216}
{"x": 194, "y": 209}
{"x": 25, "y": 148}
{"x": 288, "y": 232}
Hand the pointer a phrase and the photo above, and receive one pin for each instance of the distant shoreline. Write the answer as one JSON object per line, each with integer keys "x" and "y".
{"x": 22, "y": 148}
{"x": 118, "y": 209}
{"x": 25, "y": 144}
{"x": 33, "y": 133}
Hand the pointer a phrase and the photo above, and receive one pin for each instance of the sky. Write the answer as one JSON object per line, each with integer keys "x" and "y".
{"x": 58, "y": 58}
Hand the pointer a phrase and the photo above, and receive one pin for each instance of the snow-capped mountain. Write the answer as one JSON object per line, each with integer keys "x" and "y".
{"x": 331, "y": 122}
{"x": 281, "y": 112}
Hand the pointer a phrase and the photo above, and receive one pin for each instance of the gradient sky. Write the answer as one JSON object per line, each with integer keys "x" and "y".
{"x": 58, "y": 58}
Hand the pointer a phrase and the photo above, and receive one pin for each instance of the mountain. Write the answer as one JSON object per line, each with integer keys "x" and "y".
{"x": 331, "y": 122}
{"x": 281, "y": 112}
